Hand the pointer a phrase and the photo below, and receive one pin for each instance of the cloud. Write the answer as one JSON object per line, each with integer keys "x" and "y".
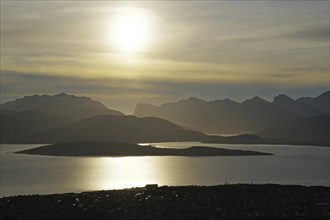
{"x": 123, "y": 95}
{"x": 311, "y": 34}
{"x": 116, "y": 93}
{"x": 198, "y": 46}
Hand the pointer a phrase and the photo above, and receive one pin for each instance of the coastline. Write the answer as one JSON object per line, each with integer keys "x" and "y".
{"x": 116, "y": 149}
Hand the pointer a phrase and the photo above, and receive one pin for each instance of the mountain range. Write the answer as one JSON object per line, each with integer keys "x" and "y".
{"x": 230, "y": 117}
{"x": 63, "y": 117}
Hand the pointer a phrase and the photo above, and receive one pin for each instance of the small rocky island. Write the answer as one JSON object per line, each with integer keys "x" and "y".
{"x": 98, "y": 148}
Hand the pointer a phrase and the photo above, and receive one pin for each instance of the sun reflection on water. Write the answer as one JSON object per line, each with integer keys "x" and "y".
{"x": 124, "y": 172}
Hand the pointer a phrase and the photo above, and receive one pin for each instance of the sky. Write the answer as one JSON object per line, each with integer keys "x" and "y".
{"x": 122, "y": 53}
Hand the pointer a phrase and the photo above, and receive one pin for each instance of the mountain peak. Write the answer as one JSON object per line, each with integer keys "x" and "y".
{"x": 29, "y": 97}
{"x": 68, "y": 96}
{"x": 62, "y": 94}
{"x": 195, "y": 99}
{"x": 223, "y": 102}
{"x": 282, "y": 98}
{"x": 257, "y": 99}
{"x": 62, "y": 104}
{"x": 192, "y": 100}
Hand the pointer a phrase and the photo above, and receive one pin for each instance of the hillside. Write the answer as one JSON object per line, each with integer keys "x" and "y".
{"x": 310, "y": 130}
{"x": 114, "y": 128}
{"x": 230, "y": 201}
{"x": 320, "y": 102}
{"x": 16, "y": 124}
{"x": 63, "y": 105}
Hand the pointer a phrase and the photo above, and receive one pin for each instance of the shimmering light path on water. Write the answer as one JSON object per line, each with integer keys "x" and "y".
{"x": 31, "y": 174}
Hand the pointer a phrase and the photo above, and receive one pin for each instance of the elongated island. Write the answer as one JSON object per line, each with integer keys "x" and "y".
{"x": 99, "y": 148}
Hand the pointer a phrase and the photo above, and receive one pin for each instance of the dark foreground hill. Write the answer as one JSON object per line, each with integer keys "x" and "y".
{"x": 114, "y": 128}
{"x": 241, "y": 201}
{"x": 96, "y": 148}
{"x": 68, "y": 106}
{"x": 310, "y": 130}
{"x": 16, "y": 124}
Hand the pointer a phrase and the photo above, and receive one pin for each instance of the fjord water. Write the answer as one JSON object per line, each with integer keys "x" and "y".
{"x": 34, "y": 174}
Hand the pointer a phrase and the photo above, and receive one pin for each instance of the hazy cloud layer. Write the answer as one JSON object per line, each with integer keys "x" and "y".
{"x": 125, "y": 94}
{"x": 199, "y": 49}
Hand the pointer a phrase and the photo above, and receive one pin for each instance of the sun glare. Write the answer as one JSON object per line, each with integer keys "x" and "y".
{"x": 131, "y": 32}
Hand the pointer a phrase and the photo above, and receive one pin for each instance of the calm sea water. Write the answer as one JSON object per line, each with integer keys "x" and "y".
{"x": 31, "y": 174}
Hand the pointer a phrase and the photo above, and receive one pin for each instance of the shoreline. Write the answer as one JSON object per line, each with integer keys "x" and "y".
{"x": 243, "y": 201}
{"x": 100, "y": 148}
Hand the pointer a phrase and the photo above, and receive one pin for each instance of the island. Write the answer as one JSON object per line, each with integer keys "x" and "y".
{"x": 100, "y": 148}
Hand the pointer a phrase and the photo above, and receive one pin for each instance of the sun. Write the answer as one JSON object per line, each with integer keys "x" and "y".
{"x": 131, "y": 32}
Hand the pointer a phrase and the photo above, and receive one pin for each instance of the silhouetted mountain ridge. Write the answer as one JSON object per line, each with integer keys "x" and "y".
{"x": 64, "y": 105}
{"x": 288, "y": 121}
{"x": 301, "y": 108}
{"x": 230, "y": 117}
{"x": 320, "y": 102}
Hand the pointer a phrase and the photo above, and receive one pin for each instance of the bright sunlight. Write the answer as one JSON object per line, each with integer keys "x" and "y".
{"x": 131, "y": 31}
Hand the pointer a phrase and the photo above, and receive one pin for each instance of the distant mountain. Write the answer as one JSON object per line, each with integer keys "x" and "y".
{"x": 219, "y": 116}
{"x": 313, "y": 130}
{"x": 63, "y": 105}
{"x": 97, "y": 148}
{"x": 181, "y": 113}
{"x": 114, "y": 128}
{"x": 229, "y": 117}
{"x": 244, "y": 139}
{"x": 305, "y": 106}
{"x": 320, "y": 102}
{"x": 16, "y": 124}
